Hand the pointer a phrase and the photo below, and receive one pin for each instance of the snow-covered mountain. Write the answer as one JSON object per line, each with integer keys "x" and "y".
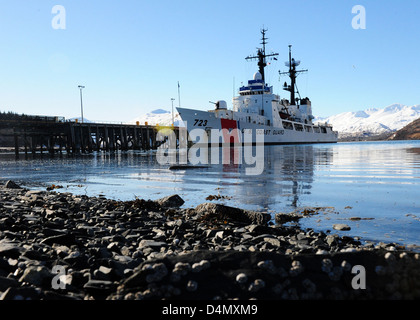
{"x": 372, "y": 122}
{"x": 161, "y": 117}
{"x": 79, "y": 119}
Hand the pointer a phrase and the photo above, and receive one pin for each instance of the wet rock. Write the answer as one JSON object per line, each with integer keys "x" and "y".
{"x": 9, "y": 248}
{"x": 267, "y": 265}
{"x": 36, "y": 255}
{"x": 103, "y": 273}
{"x": 181, "y": 268}
{"x": 282, "y": 218}
{"x": 77, "y": 260}
{"x": 63, "y": 239}
{"x": 53, "y": 295}
{"x": 331, "y": 239}
{"x": 151, "y": 244}
{"x": 7, "y": 283}
{"x": 99, "y": 286}
{"x": 209, "y": 211}
{"x": 273, "y": 241}
{"x": 11, "y": 185}
{"x": 174, "y": 201}
{"x": 200, "y": 266}
{"x": 296, "y": 269}
{"x": 36, "y": 275}
{"x": 158, "y": 272}
{"x": 341, "y": 227}
{"x": 21, "y": 293}
{"x": 326, "y": 265}
{"x": 241, "y": 278}
{"x": 256, "y": 285}
{"x": 336, "y": 273}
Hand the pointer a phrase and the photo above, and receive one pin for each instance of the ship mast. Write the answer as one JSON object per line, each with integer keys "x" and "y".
{"x": 292, "y": 73}
{"x": 261, "y": 55}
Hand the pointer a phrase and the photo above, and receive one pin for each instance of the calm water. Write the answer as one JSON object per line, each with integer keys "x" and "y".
{"x": 376, "y": 181}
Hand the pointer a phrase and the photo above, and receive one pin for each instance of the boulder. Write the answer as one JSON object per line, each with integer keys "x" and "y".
{"x": 174, "y": 201}
{"x": 11, "y": 185}
{"x": 341, "y": 227}
{"x": 36, "y": 275}
{"x": 10, "y": 249}
{"x": 209, "y": 211}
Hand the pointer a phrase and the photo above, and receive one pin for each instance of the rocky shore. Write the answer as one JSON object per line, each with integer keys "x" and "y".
{"x": 59, "y": 246}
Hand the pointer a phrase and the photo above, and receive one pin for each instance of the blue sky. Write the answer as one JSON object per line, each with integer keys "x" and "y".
{"x": 130, "y": 54}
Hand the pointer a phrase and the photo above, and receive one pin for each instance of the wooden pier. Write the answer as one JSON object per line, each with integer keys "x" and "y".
{"x": 50, "y": 135}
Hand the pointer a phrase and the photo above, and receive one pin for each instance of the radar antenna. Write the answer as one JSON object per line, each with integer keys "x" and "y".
{"x": 261, "y": 55}
{"x": 292, "y": 73}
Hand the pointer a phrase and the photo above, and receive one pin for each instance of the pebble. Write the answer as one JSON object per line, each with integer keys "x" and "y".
{"x": 159, "y": 271}
{"x": 336, "y": 273}
{"x": 256, "y": 285}
{"x": 267, "y": 265}
{"x": 326, "y": 265}
{"x": 296, "y": 269}
{"x": 200, "y": 266}
{"x": 192, "y": 286}
{"x": 346, "y": 265}
{"x": 182, "y": 268}
{"x": 389, "y": 257}
{"x": 380, "y": 270}
{"x": 241, "y": 278}
{"x": 309, "y": 286}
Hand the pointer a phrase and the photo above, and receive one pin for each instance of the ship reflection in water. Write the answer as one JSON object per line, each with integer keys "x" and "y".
{"x": 375, "y": 182}
{"x": 288, "y": 173}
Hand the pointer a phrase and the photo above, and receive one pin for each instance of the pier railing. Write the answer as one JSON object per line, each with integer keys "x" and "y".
{"x": 58, "y": 136}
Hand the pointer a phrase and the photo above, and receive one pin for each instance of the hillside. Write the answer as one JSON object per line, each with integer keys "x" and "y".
{"x": 371, "y": 123}
{"x": 409, "y": 132}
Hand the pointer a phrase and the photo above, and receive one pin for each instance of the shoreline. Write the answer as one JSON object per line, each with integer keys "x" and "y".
{"x": 60, "y": 246}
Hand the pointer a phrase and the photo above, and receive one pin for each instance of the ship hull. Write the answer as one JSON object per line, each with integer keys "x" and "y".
{"x": 291, "y": 133}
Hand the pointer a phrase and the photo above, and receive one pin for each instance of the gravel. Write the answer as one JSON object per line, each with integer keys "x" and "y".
{"x": 65, "y": 247}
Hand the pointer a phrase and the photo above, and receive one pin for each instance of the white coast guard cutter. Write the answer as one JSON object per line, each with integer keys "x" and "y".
{"x": 281, "y": 121}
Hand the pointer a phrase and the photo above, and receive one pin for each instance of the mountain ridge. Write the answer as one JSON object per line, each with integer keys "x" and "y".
{"x": 372, "y": 121}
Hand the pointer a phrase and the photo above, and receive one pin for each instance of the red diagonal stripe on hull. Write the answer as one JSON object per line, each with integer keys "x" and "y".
{"x": 229, "y": 125}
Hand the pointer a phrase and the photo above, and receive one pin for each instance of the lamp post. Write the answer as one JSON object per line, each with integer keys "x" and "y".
{"x": 81, "y": 100}
{"x": 173, "y": 123}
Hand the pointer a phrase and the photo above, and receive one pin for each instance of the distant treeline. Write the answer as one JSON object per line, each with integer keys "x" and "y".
{"x": 9, "y": 115}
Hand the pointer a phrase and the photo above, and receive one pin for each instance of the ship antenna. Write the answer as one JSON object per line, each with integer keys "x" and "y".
{"x": 261, "y": 55}
{"x": 264, "y": 40}
{"x": 292, "y": 73}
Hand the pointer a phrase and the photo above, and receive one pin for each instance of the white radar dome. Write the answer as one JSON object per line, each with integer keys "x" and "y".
{"x": 257, "y": 76}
